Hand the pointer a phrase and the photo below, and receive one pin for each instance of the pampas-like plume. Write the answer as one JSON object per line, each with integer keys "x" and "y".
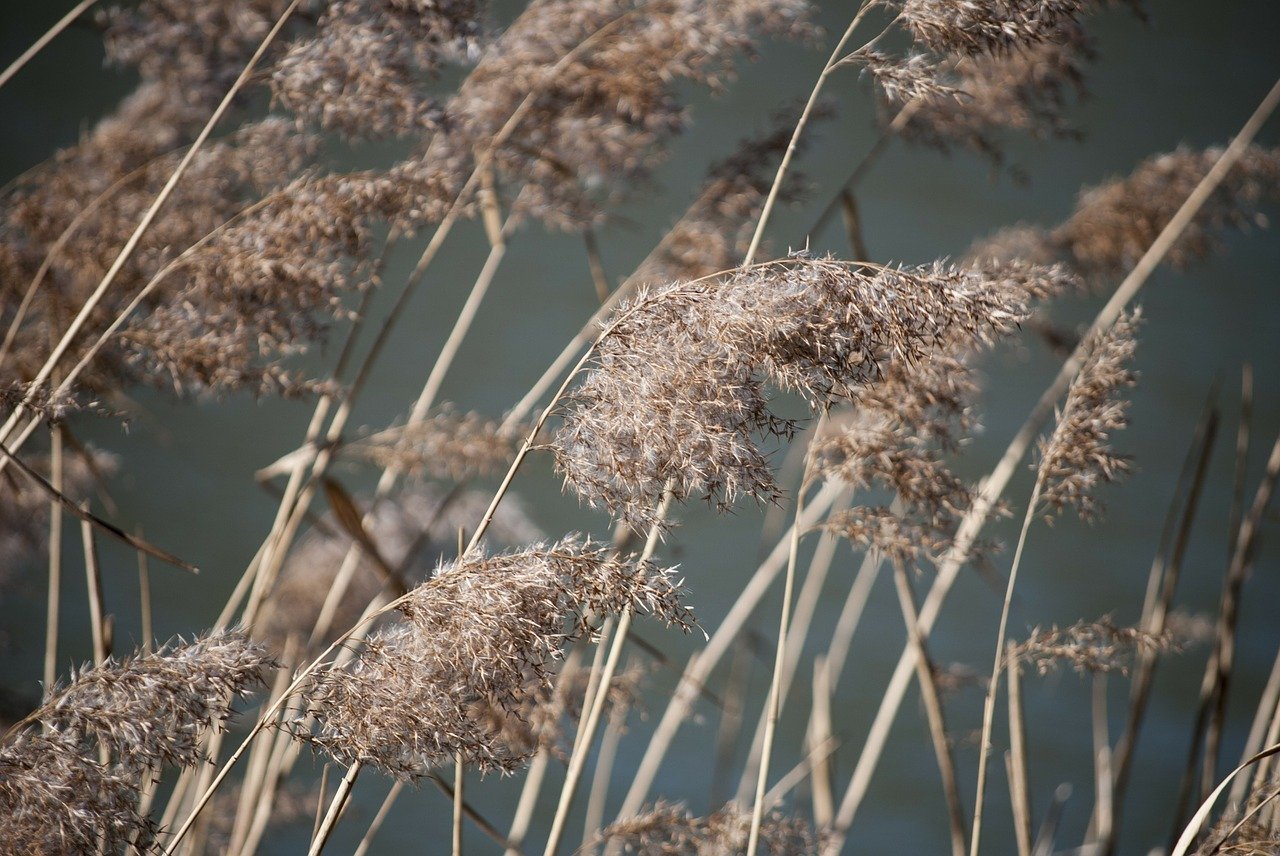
{"x": 142, "y": 712}
{"x": 1088, "y": 646}
{"x": 596, "y": 129}
{"x": 150, "y": 709}
{"x": 481, "y": 633}
{"x": 55, "y": 799}
{"x": 668, "y": 829}
{"x": 678, "y": 391}
{"x": 990, "y": 26}
{"x": 1076, "y": 458}
{"x": 366, "y": 70}
{"x": 1115, "y": 222}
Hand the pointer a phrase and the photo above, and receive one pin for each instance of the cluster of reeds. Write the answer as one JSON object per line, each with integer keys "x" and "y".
{"x": 199, "y": 239}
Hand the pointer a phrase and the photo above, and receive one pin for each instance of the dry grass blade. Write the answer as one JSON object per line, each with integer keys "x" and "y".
{"x": 40, "y": 43}
{"x": 89, "y": 518}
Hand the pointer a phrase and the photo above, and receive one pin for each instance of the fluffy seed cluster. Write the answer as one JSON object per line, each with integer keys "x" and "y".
{"x": 414, "y": 532}
{"x": 481, "y": 634}
{"x": 598, "y": 125}
{"x": 365, "y": 71}
{"x": 1076, "y": 458}
{"x": 1115, "y": 222}
{"x": 143, "y": 712}
{"x": 447, "y": 445}
{"x": 1088, "y": 646}
{"x": 679, "y": 387}
{"x": 988, "y": 26}
{"x": 668, "y": 829}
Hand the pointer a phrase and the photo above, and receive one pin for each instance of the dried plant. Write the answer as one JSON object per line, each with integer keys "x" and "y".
{"x": 24, "y": 511}
{"x": 996, "y": 26}
{"x": 447, "y": 445}
{"x": 1088, "y": 646}
{"x": 668, "y": 829}
{"x": 1076, "y": 458}
{"x": 70, "y": 777}
{"x": 365, "y": 71}
{"x": 414, "y": 532}
{"x": 1115, "y": 222}
{"x": 678, "y": 391}
{"x": 151, "y": 709}
{"x": 56, "y": 799}
{"x": 484, "y": 631}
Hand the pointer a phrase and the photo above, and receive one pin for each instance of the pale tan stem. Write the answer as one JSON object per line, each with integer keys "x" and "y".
{"x": 55, "y": 561}
{"x": 374, "y": 825}
{"x": 993, "y": 486}
{"x": 993, "y": 685}
{"x": 334, "y": 814}
{"x": 41, "y": 43}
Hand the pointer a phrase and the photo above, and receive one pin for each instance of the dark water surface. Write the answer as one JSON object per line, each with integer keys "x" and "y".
{"x": 1191, "y": 75}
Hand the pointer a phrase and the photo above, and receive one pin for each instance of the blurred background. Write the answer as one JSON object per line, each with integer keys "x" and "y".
{"x": 1190, "y": 74}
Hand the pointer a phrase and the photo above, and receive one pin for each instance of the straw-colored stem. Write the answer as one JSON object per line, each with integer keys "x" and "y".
{"x": 1103, "y": 776}
{"x": 459, "y": 779}
{"x": 779, "y": 663}
{"x": 93, "y": 580}
{"x": 794, "y": 143}
{"x": 703, "y": 662}
{"x": 993, "y": 486}
{"x": 376, "y": 824}
{"x": 49, "y": 35}
{"x": 993, "y": 685}
{"x": 1019, "y": 790}
{"x": 820, "y": 733}
{"x": 55, "y": 561}
{"x": 932, "y": 699}
{"x": 599, "y": 793}
{"x": 334, "y": 814}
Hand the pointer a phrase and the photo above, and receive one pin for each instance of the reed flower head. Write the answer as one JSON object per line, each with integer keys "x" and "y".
{"x": 150, "y": 709}
{"x": 990, "y": 26}
{"x": 668, "y": 829}
{"x": 1088, "y": 646}
{"x": 414, "y": 531}
{"x": 1076, "y": 458}
{"x": 481, "y": 633}
{"x": 679, "y": 387}
{"x": 54, "y": 798}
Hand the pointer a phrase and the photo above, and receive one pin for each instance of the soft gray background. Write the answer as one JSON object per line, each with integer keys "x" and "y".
{"x": 1191, "y": 75}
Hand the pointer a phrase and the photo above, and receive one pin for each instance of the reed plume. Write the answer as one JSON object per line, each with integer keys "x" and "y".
{"x": 678, "y": 390}
{"x": 482, "y": 633}
{"x": 669, "y": 829}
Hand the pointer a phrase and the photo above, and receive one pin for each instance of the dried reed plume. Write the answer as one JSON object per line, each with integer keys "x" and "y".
{"x": 366, "y": 70}
{"x": 413, "y": 531}
{"x": 56, "y": 799}
{"x": 446, "y": 445}
{"x": 678, "y": 391}
{"x": 1115, "y": 222}
{"x": 994, "y": 26}
{"x": 482, "y": 633}
{"x": 143, "y": 712}
{"x": 668, "y": 829}
{"x": 1089, "y": 646}
{"x": 595, "y": 130}
{"x": 1076, "y": 458}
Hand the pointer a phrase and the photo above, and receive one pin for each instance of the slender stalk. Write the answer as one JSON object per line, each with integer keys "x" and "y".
{"x": 55, "y": 561}
{"x": 374, "y": 825}
{"x": 824, "y": 803}
{"x": 336, "y": 806}
{"x": 93, "y": 579}
{"x": 993, "y": 486}
{"x": 993, "y": 686}
{"x": 780, "y": 657}
{"x": 933, "y": 708}
{"x": 1019, "y": 791}
{"x": 52, "y": 33}
{"x": 801, "y": 123}
{"x": 144, "y": 606}
{"x": 459, "y": 778}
